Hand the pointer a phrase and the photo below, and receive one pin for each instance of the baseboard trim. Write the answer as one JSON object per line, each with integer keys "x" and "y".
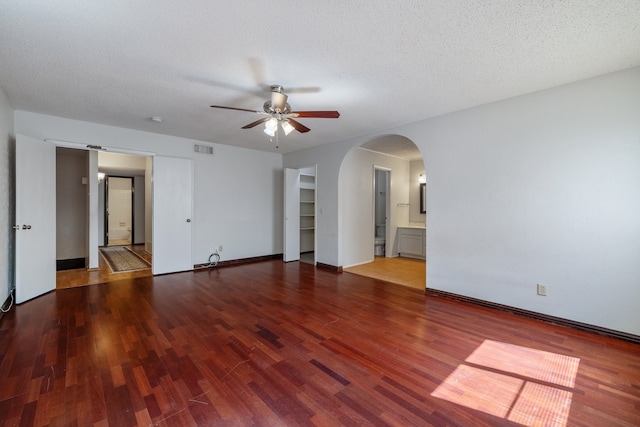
{"x": 538, "y": 316}
{"x": 240, "y": 261}
{"x": 251, "y": 260}
{"x": 334, "y": 268}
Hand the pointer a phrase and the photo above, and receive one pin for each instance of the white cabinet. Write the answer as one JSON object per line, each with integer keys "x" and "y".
{"x": 412, "y": 242}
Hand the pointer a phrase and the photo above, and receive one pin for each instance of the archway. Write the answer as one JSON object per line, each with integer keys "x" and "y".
{"x": 401, "y": 161}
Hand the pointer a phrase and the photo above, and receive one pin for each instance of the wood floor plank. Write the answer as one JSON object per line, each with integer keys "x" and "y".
{"x": 276, "y": 343}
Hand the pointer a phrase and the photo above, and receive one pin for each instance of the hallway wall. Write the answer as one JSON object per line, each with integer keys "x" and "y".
{"x": 540, "y": 188}
{"x": 356, "y": 198}
{"x": 71, "y": 204}
{"x": 237, "y": 191}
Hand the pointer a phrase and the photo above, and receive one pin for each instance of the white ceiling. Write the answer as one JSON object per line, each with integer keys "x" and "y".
{"x": 380, "y": 63}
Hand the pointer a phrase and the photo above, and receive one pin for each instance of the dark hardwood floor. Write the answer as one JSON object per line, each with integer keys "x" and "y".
{"x": 273, "y": 343}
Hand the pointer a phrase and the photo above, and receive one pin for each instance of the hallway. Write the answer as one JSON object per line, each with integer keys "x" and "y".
{"x": 83, "y": 277}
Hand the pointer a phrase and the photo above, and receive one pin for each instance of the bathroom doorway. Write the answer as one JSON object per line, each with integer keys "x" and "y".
{"x": 382, "y": 188}
{"x": 119, "y": 226}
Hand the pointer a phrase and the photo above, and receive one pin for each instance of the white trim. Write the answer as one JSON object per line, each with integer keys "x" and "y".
{"x": 81, "y": 146}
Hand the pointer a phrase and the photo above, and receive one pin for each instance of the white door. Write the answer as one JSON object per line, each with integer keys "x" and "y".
{"x": 172, "y": 215}
{"x": 35, "y": 251}
{"x": 291, "y": 215}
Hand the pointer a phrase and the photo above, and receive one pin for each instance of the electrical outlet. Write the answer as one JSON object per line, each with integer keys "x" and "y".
{"x": 220, "y": 248}
{"x": 542, "y": 290}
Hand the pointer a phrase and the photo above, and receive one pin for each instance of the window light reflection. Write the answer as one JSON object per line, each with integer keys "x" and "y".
{"x": 524, "y": 385}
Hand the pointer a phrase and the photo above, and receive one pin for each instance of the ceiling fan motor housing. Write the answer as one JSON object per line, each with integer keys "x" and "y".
{"x": 277, "y": 105}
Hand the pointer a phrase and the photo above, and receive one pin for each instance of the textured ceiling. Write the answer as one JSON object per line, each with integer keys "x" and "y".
{"x": 394, "y": 145}
{"x": 380, "y": 63}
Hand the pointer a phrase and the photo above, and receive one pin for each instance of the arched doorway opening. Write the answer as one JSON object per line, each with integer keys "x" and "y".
{"x": 382, "y": 219}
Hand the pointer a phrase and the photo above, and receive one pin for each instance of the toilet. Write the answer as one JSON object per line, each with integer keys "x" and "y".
{"x": 379, "y": 241}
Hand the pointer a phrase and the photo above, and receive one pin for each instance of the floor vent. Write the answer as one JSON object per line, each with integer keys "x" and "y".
{"x": 204, "y": 149}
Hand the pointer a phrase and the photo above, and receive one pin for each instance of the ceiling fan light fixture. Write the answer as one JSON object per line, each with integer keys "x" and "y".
{"x": 271, "y": 124}
{"x": 286, "y": 127}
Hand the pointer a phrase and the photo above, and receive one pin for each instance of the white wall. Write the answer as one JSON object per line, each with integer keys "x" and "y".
{"x": 7, "y": 197}
{"x": 356, "y": 185}
{"x": 542, "y": 188}
{"x": 238, "y": 192}
{"x": 415, "y": 217}
{"x": 121, "y": 162}
{"x": 93, "y": 212}
{"x": 101, "y": 206}
{"x": 148, "y": 205}
{"x": 328, "y": 159}
{"x": 138, "y": 210}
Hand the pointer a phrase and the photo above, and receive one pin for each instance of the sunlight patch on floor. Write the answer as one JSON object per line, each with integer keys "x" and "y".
{"x": 524, "y": 385}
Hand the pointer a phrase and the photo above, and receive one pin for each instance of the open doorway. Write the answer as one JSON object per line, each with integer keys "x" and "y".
{"x": 119, "y": 212}
{"x": 122, "y": 185}
{"x": 383, "y": 211}
{"x": 300, "y": 215}
{"x": 382, "y": 188}
{"x": 166, "y": 239}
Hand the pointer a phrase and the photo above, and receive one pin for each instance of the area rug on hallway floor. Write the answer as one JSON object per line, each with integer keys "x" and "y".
{"x": 121, "y": 259}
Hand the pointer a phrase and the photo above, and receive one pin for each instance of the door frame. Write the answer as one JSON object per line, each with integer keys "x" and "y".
{"x": 290, "y": 208}
{"x": 106, "y": 208}
{"x": 291, "y": 217}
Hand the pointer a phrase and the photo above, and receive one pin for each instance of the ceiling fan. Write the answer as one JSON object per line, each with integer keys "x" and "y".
{"x": 278, "y": 111}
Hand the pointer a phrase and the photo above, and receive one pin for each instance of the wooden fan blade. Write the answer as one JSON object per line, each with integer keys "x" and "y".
{"x": 256, "y": 123}
{"x": 235, "y": 108}
{"x": 299, "y": 126}
{"x": 316, "y": 114}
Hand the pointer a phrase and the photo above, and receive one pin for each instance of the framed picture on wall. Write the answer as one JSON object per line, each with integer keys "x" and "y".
{"x": 423, "y": 198}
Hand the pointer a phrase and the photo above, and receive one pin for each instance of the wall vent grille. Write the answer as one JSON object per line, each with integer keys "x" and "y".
{"x": 203, "y": 149}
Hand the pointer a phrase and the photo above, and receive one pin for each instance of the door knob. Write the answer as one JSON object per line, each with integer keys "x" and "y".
{"x": 188, "y": 220}
{"x": 26, "y": 227}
